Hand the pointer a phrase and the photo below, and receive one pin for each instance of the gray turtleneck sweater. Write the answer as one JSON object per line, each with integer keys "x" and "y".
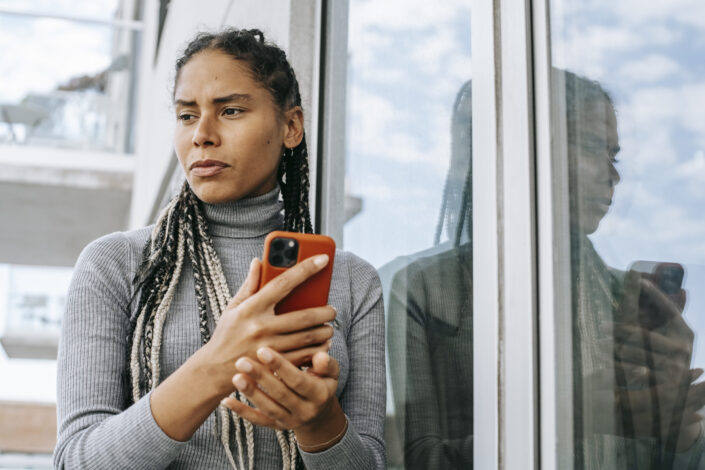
{"x": 95, "y": 431}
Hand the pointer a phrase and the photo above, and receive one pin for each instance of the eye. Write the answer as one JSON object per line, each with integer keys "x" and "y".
{"x": 185, "y": 117}
{"x": 231, "y": 111}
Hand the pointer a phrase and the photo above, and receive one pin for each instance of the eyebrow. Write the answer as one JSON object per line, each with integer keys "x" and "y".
{"x": 219, "y": 100}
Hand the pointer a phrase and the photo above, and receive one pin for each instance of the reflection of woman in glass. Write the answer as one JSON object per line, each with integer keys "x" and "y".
{"x": 634, "y": 406}
{"x": 152, "y": 340}
{"x": 430, "y": 326}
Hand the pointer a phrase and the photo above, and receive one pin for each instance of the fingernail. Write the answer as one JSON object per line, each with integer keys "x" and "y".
{"x": 264, "y": 354}
{"x": 244, "y": 365}
{"x": 224, "y": 401}
{"x": 240, "y": 382}
{"x": 320, "y": 260}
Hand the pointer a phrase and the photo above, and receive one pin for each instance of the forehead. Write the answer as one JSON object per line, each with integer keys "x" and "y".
{"x": 599, "y": 118}
{"x": 213, "y": 73}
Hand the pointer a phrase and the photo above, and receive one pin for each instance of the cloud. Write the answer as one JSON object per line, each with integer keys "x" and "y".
{"x": 651, "y": 68}
{"x": 382, "y": 129}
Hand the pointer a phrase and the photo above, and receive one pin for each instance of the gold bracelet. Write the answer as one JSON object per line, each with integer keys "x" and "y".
{"x": 315, "y": 447}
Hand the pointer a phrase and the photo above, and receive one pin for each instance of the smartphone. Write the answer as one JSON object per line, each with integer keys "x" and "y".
{"x": 668, "y": 278}
{"x": 283, "y": 250}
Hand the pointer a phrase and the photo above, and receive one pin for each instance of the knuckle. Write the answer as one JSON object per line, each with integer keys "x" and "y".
{"x": 278, "y": 394}
{"x": 297, "y": 381}
{"x": 282, "y": 282}
{"x": 255, "y": 329}
{"x": 309, "y": 337}
{"x": 308, "y": 413}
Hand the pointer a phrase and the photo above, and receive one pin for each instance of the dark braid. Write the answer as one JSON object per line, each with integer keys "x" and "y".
{"x": 456, "y": 204}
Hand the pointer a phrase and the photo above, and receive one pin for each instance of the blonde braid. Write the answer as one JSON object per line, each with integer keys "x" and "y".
{"x": 158, "y": 279}
{"x": 164, "y": 307}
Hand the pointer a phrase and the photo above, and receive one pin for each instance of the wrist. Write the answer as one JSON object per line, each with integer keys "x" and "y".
{"x": 215, "y": 376}
{"x": 323, "y": 432}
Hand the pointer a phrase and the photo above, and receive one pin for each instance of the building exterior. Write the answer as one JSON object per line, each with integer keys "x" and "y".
{"x": 526, "y": 176}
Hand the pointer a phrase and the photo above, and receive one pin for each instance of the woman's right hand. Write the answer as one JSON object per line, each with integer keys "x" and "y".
{"x": 249, "y": 322}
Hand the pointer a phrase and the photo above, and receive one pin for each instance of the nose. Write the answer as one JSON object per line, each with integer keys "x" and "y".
{"x": 205, "y": 134}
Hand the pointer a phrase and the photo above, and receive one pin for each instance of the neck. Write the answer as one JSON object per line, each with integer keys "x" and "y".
{"x": 245, "y": 218}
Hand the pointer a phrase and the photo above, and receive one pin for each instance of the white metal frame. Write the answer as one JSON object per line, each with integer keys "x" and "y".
{"x": 486, "y": 252}
{"x": 554, "y": 274}
{"x": 330, "y": 163}
{"x": 505, "y": 287}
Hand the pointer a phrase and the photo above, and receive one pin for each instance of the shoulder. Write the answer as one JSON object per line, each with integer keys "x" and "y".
{"x": 109, "y": 263}
{"x": 354, "y": 267}
{"x": 355, "y": 288}
{"x": 115, "y": 250}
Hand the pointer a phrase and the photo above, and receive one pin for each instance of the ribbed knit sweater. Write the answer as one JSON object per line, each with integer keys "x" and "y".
{"x": 95, "y": 431}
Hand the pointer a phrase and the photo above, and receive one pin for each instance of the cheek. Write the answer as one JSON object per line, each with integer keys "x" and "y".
{"x": 182, "y": 144}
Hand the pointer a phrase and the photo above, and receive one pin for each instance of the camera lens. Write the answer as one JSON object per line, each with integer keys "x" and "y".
{"x": 290, "y": 254}
{"x": 278, "y": 244}
{"x": 277, "y": 260}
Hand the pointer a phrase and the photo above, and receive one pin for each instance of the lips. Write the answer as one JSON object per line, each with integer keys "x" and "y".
{"x": 207, "y": 167}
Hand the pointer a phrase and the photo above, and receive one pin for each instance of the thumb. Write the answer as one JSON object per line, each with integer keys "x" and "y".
{"x": 249, "y": 286}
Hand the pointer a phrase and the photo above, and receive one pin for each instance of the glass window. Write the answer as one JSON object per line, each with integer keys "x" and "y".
{"x": 67, "y": 82}
{"x": 408, "y": 204}
{"x": 629, "y": 89}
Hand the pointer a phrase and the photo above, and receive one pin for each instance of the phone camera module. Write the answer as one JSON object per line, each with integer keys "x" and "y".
{"x": 283, "y": 252}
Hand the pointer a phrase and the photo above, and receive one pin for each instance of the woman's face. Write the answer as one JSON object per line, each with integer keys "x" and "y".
{"x": 230, "y": 134}
{"x": 595, "y": 152}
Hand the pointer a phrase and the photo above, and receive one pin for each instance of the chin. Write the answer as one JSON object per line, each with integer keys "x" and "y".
{"x": 213, "y": 195}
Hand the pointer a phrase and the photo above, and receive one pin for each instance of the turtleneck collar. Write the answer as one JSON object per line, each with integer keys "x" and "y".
{"x": 246, "y": 218}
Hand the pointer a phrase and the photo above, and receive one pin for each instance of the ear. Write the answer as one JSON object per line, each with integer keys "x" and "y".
{"x": 294, "y": 122}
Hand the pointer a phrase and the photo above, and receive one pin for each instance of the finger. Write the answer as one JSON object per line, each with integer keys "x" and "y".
{"x": 306, "y": 338}
{"x": 325, "y": 366}
{"x": 276, "y": 389}
{"x": 695, "y": 374}
{"x": 303, "y": 357}
{"x": 656, "y": 341}
{"x": 659, "y": 300}
{"x": 249, "y": 287}
{"x": 291, "y": 376}
{"x": 629, "y": 305}
{"x": 250, "y": 414}
{"x": 279, "y": 287}
{"x": 659, "y": 361}
{"x": 302, "y": 319}
{"x": 259, "y": 397}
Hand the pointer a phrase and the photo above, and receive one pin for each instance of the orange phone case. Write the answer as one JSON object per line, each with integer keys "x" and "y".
{"x": 313, "y": 292}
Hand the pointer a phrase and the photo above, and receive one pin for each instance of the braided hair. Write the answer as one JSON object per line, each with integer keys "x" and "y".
{"x": 181, "y": 231}
{"x": 456, "y": 208}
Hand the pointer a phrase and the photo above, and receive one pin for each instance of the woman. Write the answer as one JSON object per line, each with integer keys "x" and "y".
{"x": 152, "y": 341}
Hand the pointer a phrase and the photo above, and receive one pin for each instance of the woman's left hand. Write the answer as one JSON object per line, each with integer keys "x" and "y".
{"x": 285, "y": 397}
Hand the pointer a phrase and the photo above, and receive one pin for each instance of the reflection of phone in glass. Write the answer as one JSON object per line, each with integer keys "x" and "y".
{"x": 668, "y": 278}
{"x": 283, "y": 250}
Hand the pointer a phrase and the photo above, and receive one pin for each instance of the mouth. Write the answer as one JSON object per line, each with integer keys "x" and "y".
{"x": 207, "y": 167}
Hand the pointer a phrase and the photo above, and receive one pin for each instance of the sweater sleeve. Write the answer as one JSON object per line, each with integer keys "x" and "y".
{"x": 364, "y": 396}
{"x": 94, "y": 429}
